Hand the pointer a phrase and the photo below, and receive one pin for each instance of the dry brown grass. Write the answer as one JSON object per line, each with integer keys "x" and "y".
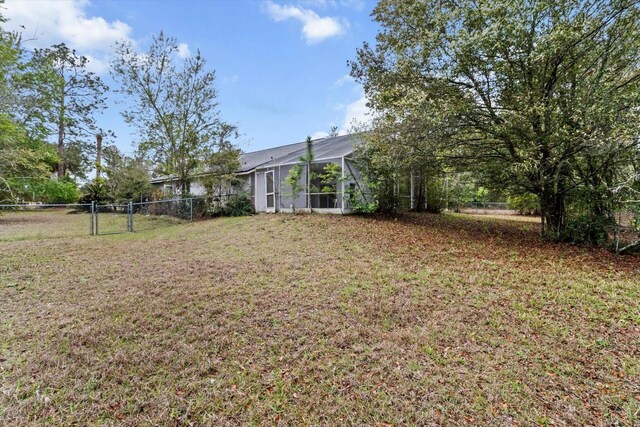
{"x": 430, "y": 320}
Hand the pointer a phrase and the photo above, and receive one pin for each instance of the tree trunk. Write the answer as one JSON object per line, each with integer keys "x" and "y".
{"x": 184, "y": 184}
{"x": 60, "y": 146}
{"x": 419, "y": 203}
{"x": 552, "y": 211}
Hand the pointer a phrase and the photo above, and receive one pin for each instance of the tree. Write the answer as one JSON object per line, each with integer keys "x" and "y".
{"x": 25, "y": 159}
{"x": 174, "y": 109}
{"x": 127, "y": 178}
{"x": 292, "y": 180}
{"x": 538, "y": 96}
{"x": 74, "y": 96}
{"x": 220, "y": 167}
{"x": 10, "y": 65}
{"x": 22, "y": 161}
{"x": 307, "y": 158}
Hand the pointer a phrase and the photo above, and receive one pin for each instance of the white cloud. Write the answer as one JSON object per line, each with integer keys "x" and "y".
{"x": 66, "y": 21}
{"x": 356, "y": 116}
{"x": 343, "y": 80}
{"x": 96, "y": 65}
{"x": 353, "y": 4}
{"x": 319, "y": 134}
{"x": 183, "y": 51}
{"x": 356, "y": 113}
{"x": 314, "y": 27}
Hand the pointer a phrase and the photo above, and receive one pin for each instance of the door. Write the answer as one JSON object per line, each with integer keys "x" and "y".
{"x": 270, "y": 192}
{"x": 260, "y": 188}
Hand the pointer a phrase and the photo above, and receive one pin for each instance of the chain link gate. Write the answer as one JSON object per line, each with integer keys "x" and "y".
{"x": 140, "y": 216}
{"x": 111, "y": 219}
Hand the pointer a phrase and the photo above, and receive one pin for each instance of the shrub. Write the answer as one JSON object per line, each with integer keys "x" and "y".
{"x": 525, "y": 204}
{"x": 237, "y": 205}
{"x": 59, "y": 191}
{"x": 96, "y": 191}
{"x": 588, "y": 229}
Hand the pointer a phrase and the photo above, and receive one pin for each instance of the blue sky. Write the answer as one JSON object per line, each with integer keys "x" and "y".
{"x": 281, "y": 65}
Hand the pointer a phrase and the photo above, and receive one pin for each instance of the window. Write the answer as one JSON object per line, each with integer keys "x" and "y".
{"x": 323, "y": 189}
{"x": 271, "y": 198}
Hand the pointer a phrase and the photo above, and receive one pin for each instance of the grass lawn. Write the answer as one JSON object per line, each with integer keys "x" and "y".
{"x": 64, "y": 222}
{"x": 279, "y": 319}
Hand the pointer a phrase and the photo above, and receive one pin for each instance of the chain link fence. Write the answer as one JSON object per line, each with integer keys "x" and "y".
{"x": 111, "y": 219}
{"x": 161, "y": 213}
{"x": 40, "y": 221}
{"x": 625, "y": 232}
{"x": 487, "y": 208}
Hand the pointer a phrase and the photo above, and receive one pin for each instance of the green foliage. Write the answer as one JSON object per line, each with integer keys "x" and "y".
{"x": 11, "y": 54}
{"x": 237, "y": 205}
{"x": 435, "y": 194}
{"x": 525, "y": 204}
{"x": 330, "y": 177}
{"x": 74, "y": 95}
{"x": 96, "y": 191}
{"x": 23, "y": 162}
{"x": 361, "y": 205}
{"x": 58, "y": 191}
{"x": 293, "y": 181}
{"x": 175, "y": 110}
{"x": 588, "y": 229}
{"x": 25, "y": 158}
{"x": 308, "y": 160}
{"x": 536, "y": 97}
{"x": 127, "y": 178}
{"x": 379, "y": 168}
{"x": 220, "y": 167}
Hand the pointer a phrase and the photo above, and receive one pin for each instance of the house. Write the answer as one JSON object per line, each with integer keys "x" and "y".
{"x": 264, "y": 174}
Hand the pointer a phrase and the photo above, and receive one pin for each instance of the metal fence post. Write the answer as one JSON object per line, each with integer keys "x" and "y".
{"x": 96, "y": 210}
{"x": 92, "y": 213}
{"x": 191, "y": 210}
{"x": 130, "y": 216}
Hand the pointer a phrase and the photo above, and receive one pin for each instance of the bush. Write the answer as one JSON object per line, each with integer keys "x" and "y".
{"x": 237, "y": 205}
{"x": 360, "y": 206}
{"x": 58, "y": 191}
{"x": 588, "y": 229}
{"x": 525, "y": 204}
{"x": 231, "y": 205}
{"x": 96, "y": 191}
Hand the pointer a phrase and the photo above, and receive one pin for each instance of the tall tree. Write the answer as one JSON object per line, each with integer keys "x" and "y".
{"x": 174, "y": 106}
{"x": 10, "y": 61}
{"x": 76, "y": 95}
{"x": 220, "y": 166}
{"x": 543, "y": 95}
{"x": 307, "y": 158}
{"x": 127, "y": 178}
{"x": 24, "y": 159}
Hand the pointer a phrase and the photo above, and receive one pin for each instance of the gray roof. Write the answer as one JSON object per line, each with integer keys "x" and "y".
{"x": 249, "y": 161}
{"x": 323, "y": 149}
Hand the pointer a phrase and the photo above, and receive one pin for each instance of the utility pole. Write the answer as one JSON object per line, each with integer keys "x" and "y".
{"x": 99, "y": 155}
